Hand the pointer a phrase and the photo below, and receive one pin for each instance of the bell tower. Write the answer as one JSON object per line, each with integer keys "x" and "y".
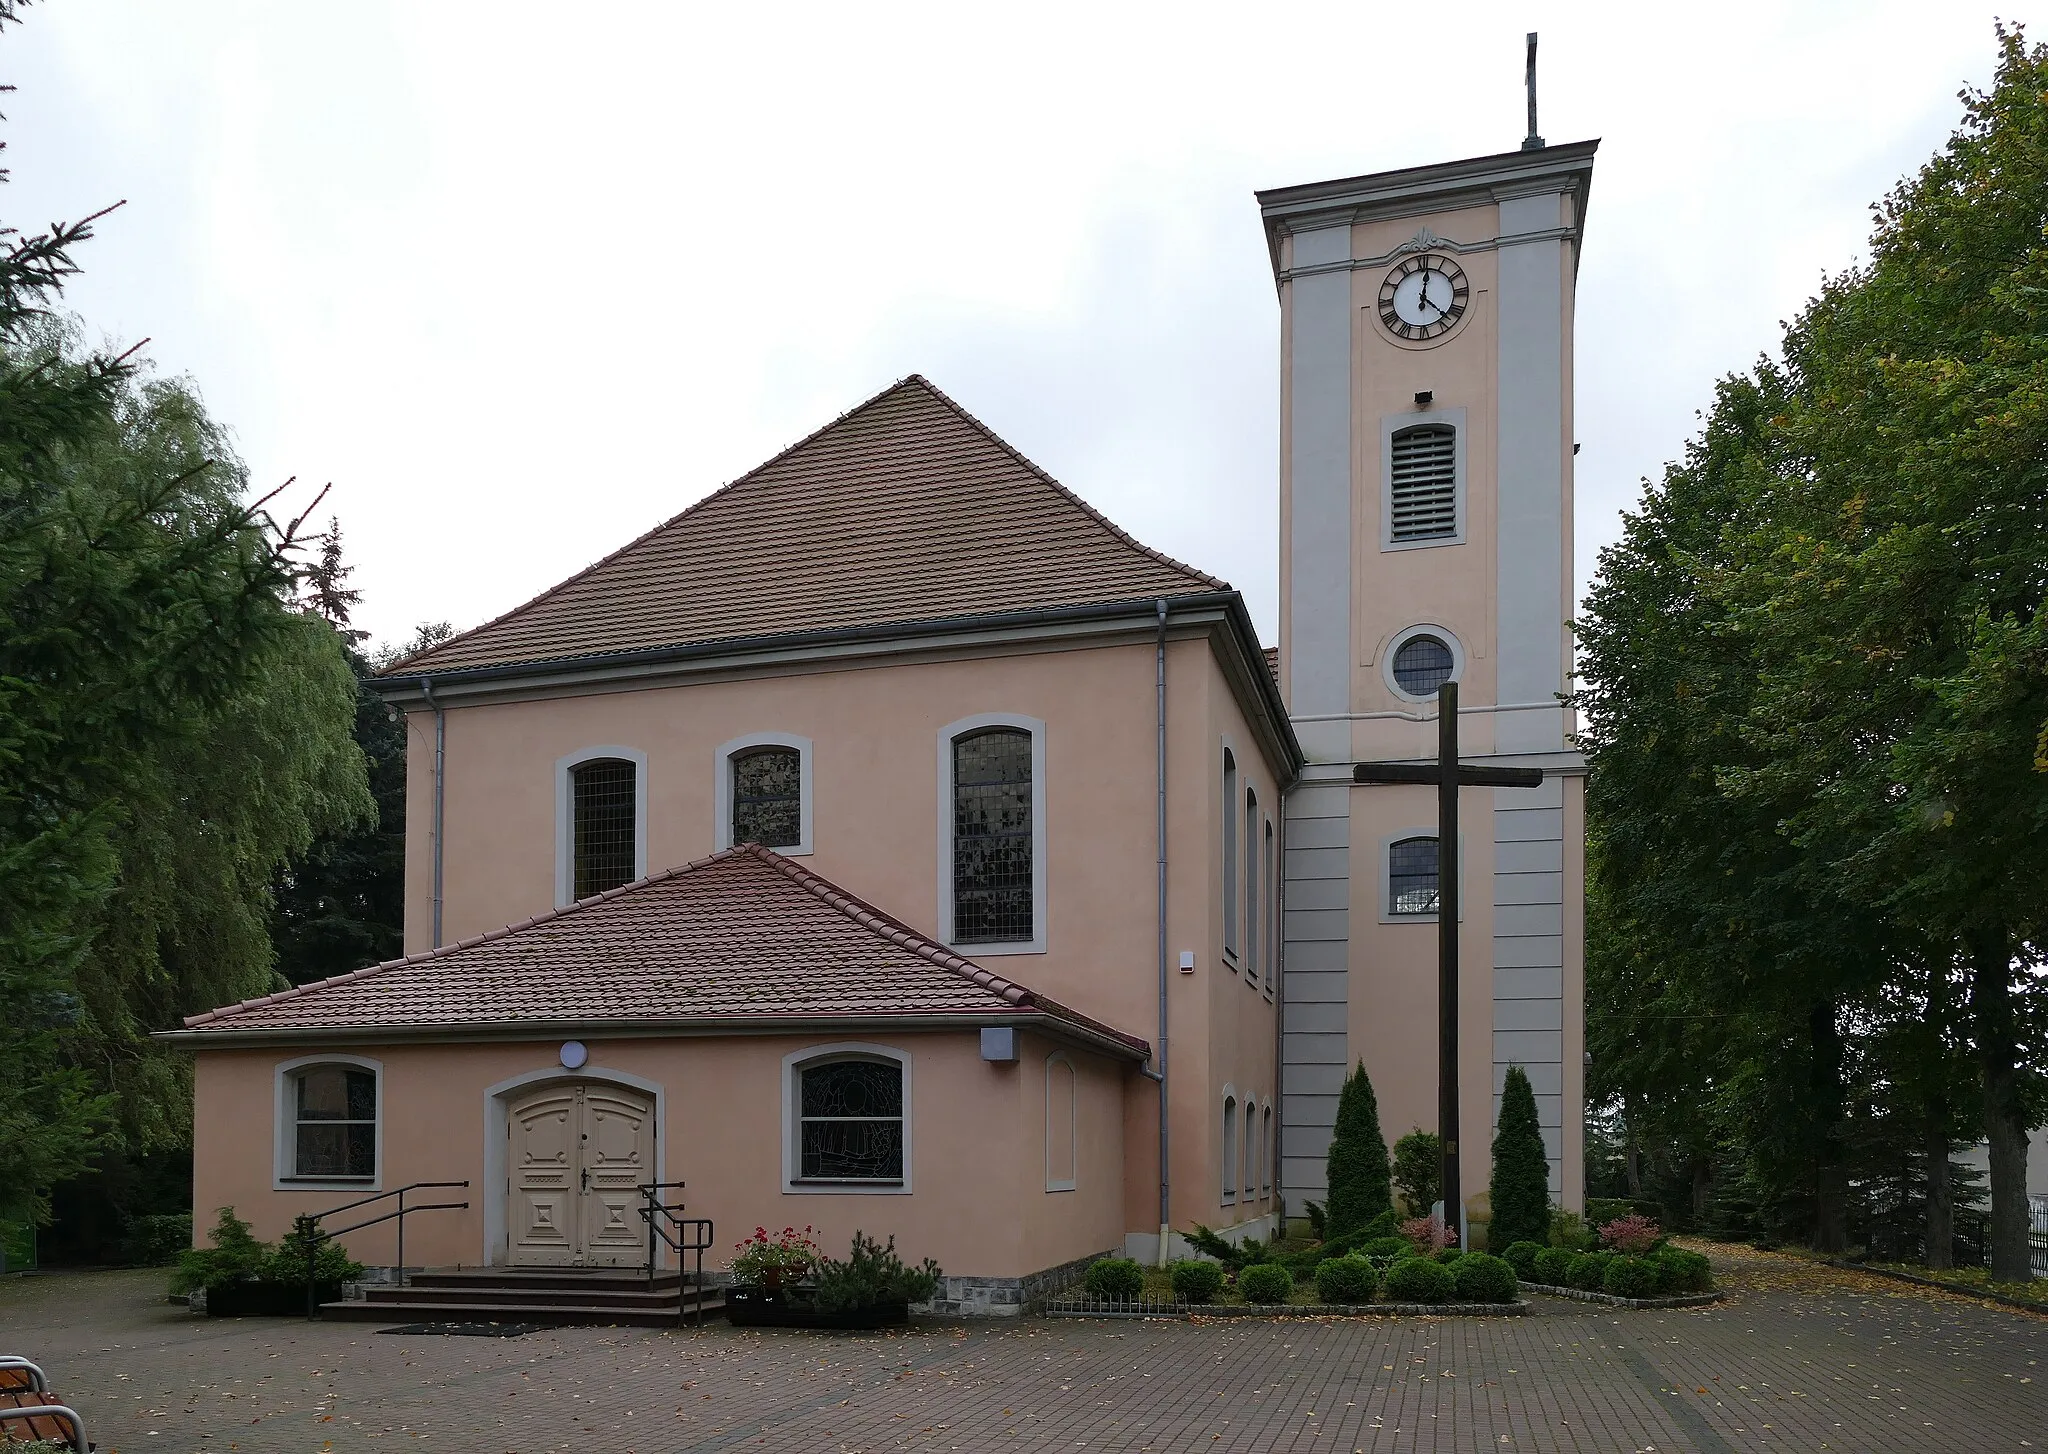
{"x": 1426, "y": 534}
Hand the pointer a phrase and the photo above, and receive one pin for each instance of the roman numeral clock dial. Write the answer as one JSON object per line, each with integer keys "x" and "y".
{"x": 1423, "y": 297}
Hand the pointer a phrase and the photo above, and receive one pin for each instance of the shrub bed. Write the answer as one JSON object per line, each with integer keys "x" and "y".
{"x": 1630, "y": 1277}
{"x": 1268, "y": 1282}
{"x": 1196, "y": 1281}
{"x": 1522, "y": 1257}
{"x": 1554, "y": 1266}
{"x": 1117, "y": 1279}
{"x": 1347, "y": 1280}
{"x": 1419, "y": 1280}
{"x": 1588, "y": 1271}
{"x": 1479, "y": 1278}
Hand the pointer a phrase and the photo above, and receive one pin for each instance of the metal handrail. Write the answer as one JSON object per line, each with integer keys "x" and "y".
{"x": 63, "y": 1414}
{"x": 654, "y": 1213}
{"x": 316, "y": 1235}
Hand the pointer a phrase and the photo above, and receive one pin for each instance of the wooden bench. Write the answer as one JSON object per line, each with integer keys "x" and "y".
{"x": 30, "y": 1411}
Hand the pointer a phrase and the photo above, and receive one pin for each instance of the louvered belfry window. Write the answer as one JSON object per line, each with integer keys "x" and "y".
{"x": 767, "y": 797}
{"x": 606, "y": 798}
{"x": 1423, "y": 500}
{"x": 992, "y": 838}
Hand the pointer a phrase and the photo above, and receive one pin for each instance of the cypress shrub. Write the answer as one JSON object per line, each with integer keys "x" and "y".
{"x": 1418, "y": 1280}
{"x": 1195, "y": 1281}
{"x": 1116, "y": 1278}
{"x": 1361, "y": 1185}
{"x": 1630, "y": 1277}
{"x": 1346, "y": 1280}
{"x": 1483, "y": 1279}
{"x": 1266, "y": 1283}
{"x": 1554, "y": 1266}
{"x": 1522, "y": 1257}
{"x": 1521, "y": 1172}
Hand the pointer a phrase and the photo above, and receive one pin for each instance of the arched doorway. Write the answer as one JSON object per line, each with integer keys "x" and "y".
{"x": 577, "y": 1153}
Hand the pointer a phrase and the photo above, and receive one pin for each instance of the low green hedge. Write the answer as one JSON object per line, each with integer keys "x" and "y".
{"x": 1632, "y": 1277}
{"x": 1419, "y": 1280}
{"x": 1479, "y": 1278}
{"x": 1268, "y": 1282}
{"x": 1522, "y": 1257}
{"x": 1680, "y": 1271}
{"x": 1196, "y": 1281}
{"x": 1588, "y": 1271}
{"x": 1347, "y": 1280}
{"x": 1117, "y": 1278}
{"x": 1554, "y": 1266}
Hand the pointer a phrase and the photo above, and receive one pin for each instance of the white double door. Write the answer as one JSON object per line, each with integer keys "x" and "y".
{"x": 579, "y": 1152}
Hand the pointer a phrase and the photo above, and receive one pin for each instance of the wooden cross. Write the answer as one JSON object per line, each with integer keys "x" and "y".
{"x": 1449, "y": 775}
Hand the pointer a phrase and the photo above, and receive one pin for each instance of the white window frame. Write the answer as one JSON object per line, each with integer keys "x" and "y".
{"x": 1232, "y": 890}
{"x": 285, "y": 1121}
{"x": 1071, "y": 1179}
{"x": 1386, "y": 872}
{"x": 1392, "y": 424}
{"x": 948, "y": 734}
{"x": 565, "y": 815}
{"x": 793, "y": 1066}
{"x": 1407, "y": 634}
{"x": 727, "y": 751}
{"x": 1232, "y": 1112}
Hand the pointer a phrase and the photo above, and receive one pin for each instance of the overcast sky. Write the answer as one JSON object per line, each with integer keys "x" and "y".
{"x": 524, "y": 280}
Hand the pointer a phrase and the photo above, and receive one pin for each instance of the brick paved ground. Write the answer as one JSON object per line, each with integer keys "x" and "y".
{"x": 1796, "y": 1360}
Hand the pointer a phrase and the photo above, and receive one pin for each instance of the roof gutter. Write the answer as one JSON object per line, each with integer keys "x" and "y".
{"x": 1109, "y": 1042}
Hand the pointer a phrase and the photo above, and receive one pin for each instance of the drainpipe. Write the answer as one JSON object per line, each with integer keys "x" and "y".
{"x": 1165, "y": 1177}
{"x": 440, "y": 794}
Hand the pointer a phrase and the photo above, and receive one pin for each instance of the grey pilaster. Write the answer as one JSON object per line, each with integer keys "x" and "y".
{"x": 1528, "y": 952}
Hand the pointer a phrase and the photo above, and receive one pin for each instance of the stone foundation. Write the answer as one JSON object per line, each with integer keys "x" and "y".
{"x": 1004, "y": 1297}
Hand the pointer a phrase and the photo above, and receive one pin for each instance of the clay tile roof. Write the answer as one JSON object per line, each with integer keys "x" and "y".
{"x": 1273, "y": 661}
{"x": 743, "y": 936}
{"x": 905, "y": 509}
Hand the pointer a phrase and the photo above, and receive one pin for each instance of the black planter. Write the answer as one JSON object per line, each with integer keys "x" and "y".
{"x": 754, "y": 1307}
{"x": 266, "y": 1299}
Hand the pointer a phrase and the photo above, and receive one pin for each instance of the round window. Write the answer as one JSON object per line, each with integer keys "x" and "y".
{"x": 1422, "y": 664}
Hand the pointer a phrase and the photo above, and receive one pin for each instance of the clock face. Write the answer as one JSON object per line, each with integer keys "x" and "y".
{"x": 1423, "y": 297}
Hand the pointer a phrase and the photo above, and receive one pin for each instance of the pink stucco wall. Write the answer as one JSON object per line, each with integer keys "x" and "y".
{"x": 978, "y": 1200}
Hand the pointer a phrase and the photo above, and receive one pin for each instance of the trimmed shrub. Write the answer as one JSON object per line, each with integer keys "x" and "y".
{"x": 1360, "y": 1183}
{"x": 1682, "y": 1271}
{"x": 1630, "y": 1277}
{"x": 1554, "y": 1267}
{"x": 1483, "y": 1279}
{"x": 1195, "y": 1281}
{"x": 1418, "y": 1280}
{"x": 1632, "y": 1236}
{"x": 1418, "y": 1171}
{"x": 1266, "y": 1283}
{"x": 1522, "y": 1257}
{"x": 1520, "y": 1189}
{"x": 1117, "y": 1278}
{"x": 1588, "y": 1271}
{"x": 1448, "y": 1255}
{"x": 1347, "y": 1280}
{"x": 158, "y": 1240}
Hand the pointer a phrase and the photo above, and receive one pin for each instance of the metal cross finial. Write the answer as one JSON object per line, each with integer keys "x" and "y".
{"x": 1532, "y": 142}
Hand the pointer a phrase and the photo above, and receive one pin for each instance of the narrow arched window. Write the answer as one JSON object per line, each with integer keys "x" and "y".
{"x": 1412, "y": 876}
{"x": 334, "y": 1123}
{"x": 992, "y": 837}
{"x": 1254, "y": 927}
{"x": 1266, "y": 1151}
{"x": 605, "y": 800}
{"x": 1229, "y": 1149}
{"x": 850, "y": 1121}
{"x": 1251, "y": 1149}
{"x": 767, "y": 797}
{"x": 1422, "y": 492}
{"x": 1230, "y": 887}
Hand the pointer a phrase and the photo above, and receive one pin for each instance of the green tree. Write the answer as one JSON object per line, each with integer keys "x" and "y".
{"x": 1360, "y": 1183}
{"x": 1418, "y": 1171}
{"x": 1520, "y": 1188}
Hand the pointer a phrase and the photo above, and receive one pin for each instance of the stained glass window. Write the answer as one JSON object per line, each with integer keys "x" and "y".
{"x": 336, "y": 1123}
{"x": 1412, "y": 876}
{"x": 992, "y": 868}
{"x": 851, "y": 1121}
{"x": 606, "y": 806}
{"x": 767, "y": 797}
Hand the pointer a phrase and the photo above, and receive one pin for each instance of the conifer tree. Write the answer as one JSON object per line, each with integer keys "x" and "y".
{"x": 1361, "y": 1185}
{"x": 1521, "y": 1169}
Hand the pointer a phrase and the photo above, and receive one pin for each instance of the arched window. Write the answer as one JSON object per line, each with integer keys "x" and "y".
{"x": 850, "y": 1120}
{"x": 1422, "y": 489}
{"x": 1250, "y": 1169}
{"x": 1254, "y": 927}
{"x": 1229, "y": 1149}
{"x": 1412, "y": 874}
{"x": 1230, "y": 889}
{"x": 329, "y": 1122}
{"x": 1272, "y": 913}
{"x": 767, "y": 797}
{"x": 1061, "y": 1124}
{"x": 604, "y": 797}
{"x": 1266, "y": 1151}
{"x": 993, "y": 843}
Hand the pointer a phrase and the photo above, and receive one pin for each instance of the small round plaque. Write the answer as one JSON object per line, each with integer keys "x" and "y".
{"x": 574, "y": 1054}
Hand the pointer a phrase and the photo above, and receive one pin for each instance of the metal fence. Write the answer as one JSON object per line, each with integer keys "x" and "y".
{"x": 1097, "y": 1307}
{"x": 1973, "y": 1237}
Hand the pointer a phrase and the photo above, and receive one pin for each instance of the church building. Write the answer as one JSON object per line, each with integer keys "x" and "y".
{"x": 890, "y": 843}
